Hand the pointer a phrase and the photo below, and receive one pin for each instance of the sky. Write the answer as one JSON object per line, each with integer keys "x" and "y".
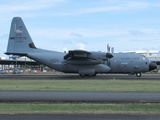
{"x": 62, "y": 25}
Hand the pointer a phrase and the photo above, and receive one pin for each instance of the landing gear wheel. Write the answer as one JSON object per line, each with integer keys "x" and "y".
{"x": 92, "y": 75}
{"x": 138, "y": 74}
{"x": 82, "y": 75}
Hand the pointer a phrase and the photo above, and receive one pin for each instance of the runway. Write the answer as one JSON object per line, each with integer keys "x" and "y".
{"x": 79, "y": 96}
{"x": 49, "y": 96}
{"x": 77, "y": 77}
{"x": 80, "y": 117}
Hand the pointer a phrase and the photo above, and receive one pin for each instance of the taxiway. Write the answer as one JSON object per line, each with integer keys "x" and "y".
{"x": 80, "y": 117}
{"x": 77, "y": 77}
{"x": 51, "y": 96}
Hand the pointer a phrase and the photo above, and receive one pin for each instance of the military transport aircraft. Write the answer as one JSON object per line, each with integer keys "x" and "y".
{"x": 85, "y": 63}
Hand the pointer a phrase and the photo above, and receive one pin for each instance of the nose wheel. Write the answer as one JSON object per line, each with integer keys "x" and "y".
{"x": 138, "y": 74}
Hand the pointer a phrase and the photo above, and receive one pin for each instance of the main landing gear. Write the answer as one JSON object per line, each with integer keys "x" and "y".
{"x": 138, "y": 74}
{"x": 90, "y": 75}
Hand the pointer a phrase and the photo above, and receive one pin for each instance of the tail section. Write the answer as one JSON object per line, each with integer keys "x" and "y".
{"x": 19, "y": 42}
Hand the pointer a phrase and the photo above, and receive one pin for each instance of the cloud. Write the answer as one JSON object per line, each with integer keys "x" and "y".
{"x": 4, "y": 35}
{"x": 91, "y": 34}
{"x": 58, "y": 33}
{"x": 109, "y": 6}
{"x": 75, "y": 34}
{"x": 61, "y": 7}
{"x": 79, "y": 45}
{"x": 18, "y": 6}
{"x": 136, "y": 32}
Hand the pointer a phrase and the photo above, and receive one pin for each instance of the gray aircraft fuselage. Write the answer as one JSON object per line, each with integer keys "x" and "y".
{"x": 75, "y": 61}
{"x": 129, "y": 63}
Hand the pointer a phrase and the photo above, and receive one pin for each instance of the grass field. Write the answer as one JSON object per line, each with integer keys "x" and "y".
{"x": 79, "y": 108}
{"x": 82, "y": 85}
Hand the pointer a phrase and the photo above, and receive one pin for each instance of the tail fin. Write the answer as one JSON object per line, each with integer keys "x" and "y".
{"x": 19, "y": 42}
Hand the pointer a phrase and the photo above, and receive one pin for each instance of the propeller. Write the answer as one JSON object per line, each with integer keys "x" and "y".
{"x": 110, "y": 49}
{"x": 109, "y": 55}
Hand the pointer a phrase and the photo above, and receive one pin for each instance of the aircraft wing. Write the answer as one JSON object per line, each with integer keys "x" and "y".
{"x": 88, "y": 55}
{"x": 77, "y": 54}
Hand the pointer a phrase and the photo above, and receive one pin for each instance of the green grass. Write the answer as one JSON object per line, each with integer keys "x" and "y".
{"x": 82, "y": 85}
{"x": 79, "y": 108}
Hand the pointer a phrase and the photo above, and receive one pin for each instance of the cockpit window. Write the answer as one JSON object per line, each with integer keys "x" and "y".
{"x": 143, "y": 57}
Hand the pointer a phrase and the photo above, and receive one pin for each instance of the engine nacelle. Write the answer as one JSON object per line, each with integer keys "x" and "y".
{"x": 100, "y": 55}
{"x": 86, "y": 69}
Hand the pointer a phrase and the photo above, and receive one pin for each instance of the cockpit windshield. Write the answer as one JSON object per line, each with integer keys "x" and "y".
{"x": 143, "y": 57}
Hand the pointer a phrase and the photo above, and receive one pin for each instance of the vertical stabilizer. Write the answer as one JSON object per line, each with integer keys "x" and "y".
{"x": 19, "y": 41}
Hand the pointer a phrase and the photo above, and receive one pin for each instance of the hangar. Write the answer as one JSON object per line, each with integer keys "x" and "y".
{"x": 18, "y": 62}
{"x": 10, "y": 64}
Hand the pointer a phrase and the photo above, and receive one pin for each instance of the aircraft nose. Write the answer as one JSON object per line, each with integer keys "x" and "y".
{"x": 152, "y": 66}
